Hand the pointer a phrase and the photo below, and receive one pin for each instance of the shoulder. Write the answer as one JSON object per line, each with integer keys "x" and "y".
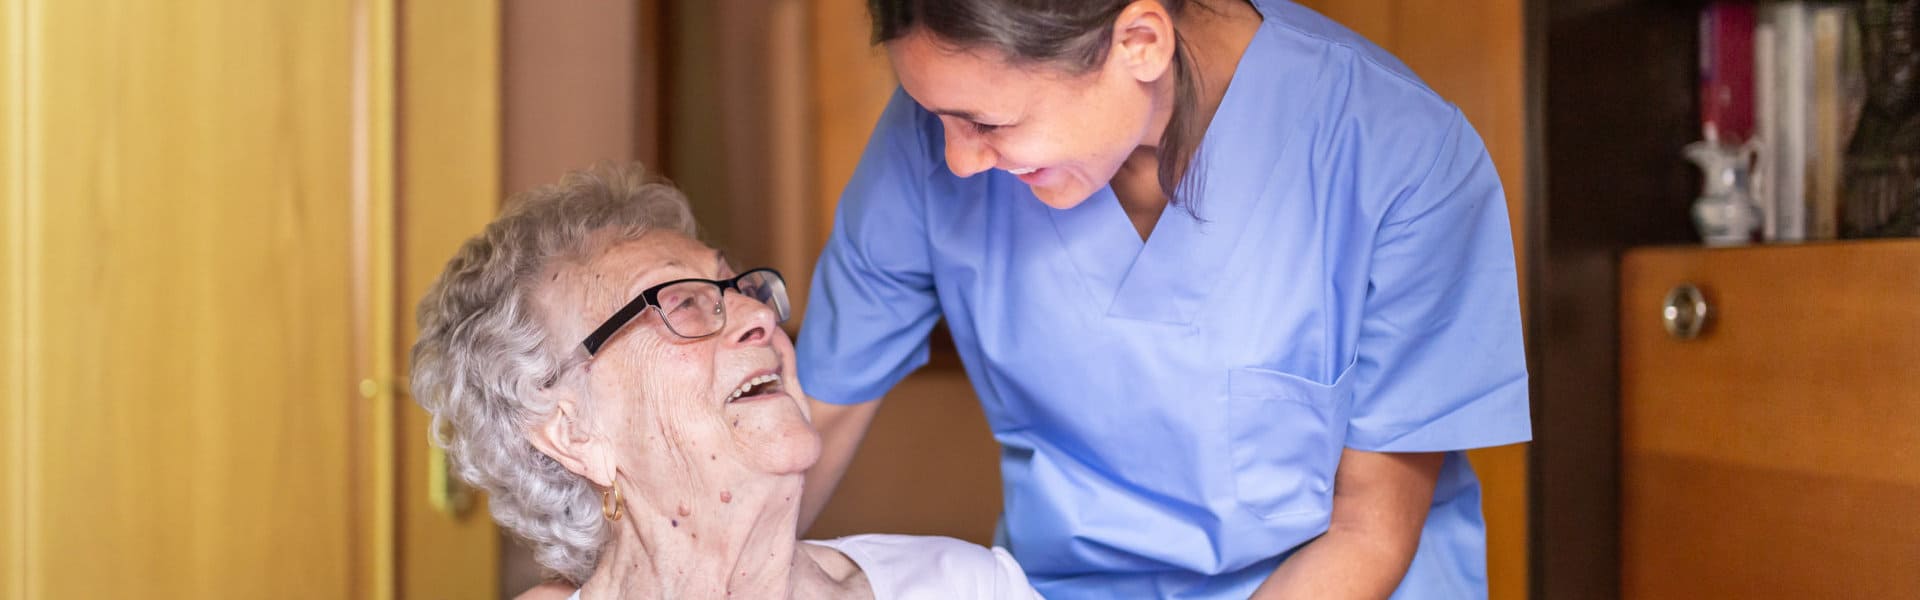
{"x": 1301, "y": 28}
{"x": 903, "y": 163}
{"x": 908, "y": 567}
{"x": 909, "y": 132}
{"x": 1366, "y": 115}
{"x": 1340, "y": 79}
{"x": 913, "y": 551}
{"x": 551, "y": 590}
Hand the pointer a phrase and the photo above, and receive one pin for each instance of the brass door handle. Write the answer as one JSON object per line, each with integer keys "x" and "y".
{"x": 444, "y": 489}
{"x": 1685, "y": 311}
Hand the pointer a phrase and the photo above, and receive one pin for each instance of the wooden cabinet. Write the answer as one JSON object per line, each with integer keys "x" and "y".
{"x": 1740, "y": 464}
{"x": 200, "y": 293}
{"x": 1777, "y": 455}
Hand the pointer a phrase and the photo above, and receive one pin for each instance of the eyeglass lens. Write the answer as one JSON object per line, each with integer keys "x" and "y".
{"x": 696, "y": 308}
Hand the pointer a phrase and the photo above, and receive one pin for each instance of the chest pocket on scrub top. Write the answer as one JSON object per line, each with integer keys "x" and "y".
{"x": 1286, "y": 434}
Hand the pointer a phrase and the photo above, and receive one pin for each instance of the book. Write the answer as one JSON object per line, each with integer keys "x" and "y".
{"x": 1807, "y": 97}
{"x": 1783, "y": 146}
{"x": 1766, "y": 75}
{"x": 1836, "y": 91}
{"x": 1726, "y": 72}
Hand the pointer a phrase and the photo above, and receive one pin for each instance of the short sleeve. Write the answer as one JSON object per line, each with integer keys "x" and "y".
{"x": 1440, "y": 365}
{"x": 873, "y": 300}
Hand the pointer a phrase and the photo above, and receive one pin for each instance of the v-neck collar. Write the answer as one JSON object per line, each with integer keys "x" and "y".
{"x": 1168, "y": 277}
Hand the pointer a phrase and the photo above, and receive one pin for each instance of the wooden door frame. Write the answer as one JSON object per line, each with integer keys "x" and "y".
{"x": 14, "y": 386}
{"x": 1611, "y": 102}
{"x": 446, "y": 186}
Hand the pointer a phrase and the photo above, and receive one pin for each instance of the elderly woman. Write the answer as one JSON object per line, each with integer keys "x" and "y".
{"x": 627, "y": 400}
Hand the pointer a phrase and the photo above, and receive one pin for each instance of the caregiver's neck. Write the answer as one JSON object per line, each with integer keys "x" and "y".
{"x": 1217, "y": 33}
{"x": 737, "y": 542}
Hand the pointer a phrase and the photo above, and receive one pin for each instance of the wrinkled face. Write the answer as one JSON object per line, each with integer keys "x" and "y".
{"x": 1064, "y": 134}
{"x": 677, "y": 409}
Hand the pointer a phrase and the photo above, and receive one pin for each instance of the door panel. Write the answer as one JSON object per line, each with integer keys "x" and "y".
{"x": 187, "y": 288}
{"x": 199, "y": 284}
{"x": 1778, "y": 454}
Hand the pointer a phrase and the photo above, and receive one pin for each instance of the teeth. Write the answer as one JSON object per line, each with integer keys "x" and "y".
{"x": 1023, "y": 171}
{"x": 750, "y": 383}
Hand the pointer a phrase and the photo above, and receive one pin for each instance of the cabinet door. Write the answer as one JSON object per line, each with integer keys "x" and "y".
{"x": 1777, "y": 455}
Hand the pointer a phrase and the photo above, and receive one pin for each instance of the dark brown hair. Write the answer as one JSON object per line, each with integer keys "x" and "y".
{"x": 1074, "y": 35}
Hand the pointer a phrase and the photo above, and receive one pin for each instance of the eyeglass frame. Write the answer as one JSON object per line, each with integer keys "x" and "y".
{"x": 650, "y": 298}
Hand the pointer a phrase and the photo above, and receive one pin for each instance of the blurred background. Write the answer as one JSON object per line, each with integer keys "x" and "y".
{"x": 216, "y": 217}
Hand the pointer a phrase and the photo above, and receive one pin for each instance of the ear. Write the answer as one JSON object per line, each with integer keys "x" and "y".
{"x": 1143, "y": 40}
{"x": 568, "y": 440}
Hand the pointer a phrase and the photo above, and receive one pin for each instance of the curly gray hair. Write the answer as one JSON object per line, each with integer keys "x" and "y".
{"x": 483, "y": 351}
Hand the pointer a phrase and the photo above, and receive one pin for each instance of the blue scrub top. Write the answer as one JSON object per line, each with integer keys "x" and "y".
{"x": 1171, "y": 413}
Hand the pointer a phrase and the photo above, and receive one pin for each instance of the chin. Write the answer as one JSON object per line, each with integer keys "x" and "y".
{"x": 795, "y": 449}
{"x": 1062, "y": 198}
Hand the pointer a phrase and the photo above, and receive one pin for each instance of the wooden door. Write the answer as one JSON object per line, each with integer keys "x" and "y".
{"x": 202, "y": 293}
{"x": 1778, "y": 454}
{"x": 181, "y": 229}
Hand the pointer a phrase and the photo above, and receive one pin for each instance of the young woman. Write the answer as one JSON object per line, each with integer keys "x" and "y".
{"x": 1234, "y": 287}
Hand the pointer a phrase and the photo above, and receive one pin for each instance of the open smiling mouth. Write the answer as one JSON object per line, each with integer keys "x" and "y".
{"x": 755, "y": 388}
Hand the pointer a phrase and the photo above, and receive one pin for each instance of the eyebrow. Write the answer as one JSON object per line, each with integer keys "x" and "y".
{"x": 719, "y": 259}
{"x": 640, "y": 280}
{"x": 968, "y": 115}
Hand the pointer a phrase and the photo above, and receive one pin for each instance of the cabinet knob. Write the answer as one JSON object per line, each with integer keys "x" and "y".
{"x": 1685, "y": 312}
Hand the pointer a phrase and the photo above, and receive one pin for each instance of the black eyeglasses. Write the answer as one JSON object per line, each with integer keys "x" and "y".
{"x": 696, "y": 308}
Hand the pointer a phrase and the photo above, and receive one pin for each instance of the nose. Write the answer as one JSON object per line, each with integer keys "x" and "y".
{"x": 749, "y": 321}
{"x": 967, "y": 155}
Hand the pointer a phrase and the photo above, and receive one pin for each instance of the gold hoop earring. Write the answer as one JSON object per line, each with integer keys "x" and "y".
{"x": 612, "y": 506}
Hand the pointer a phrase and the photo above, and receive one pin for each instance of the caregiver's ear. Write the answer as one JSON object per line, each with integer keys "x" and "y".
{"x": 1143, "y": 40}
{"x": 570, "y": 441}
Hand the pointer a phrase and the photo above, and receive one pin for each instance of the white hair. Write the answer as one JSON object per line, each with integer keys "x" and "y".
{"x": 483, "y": 351}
